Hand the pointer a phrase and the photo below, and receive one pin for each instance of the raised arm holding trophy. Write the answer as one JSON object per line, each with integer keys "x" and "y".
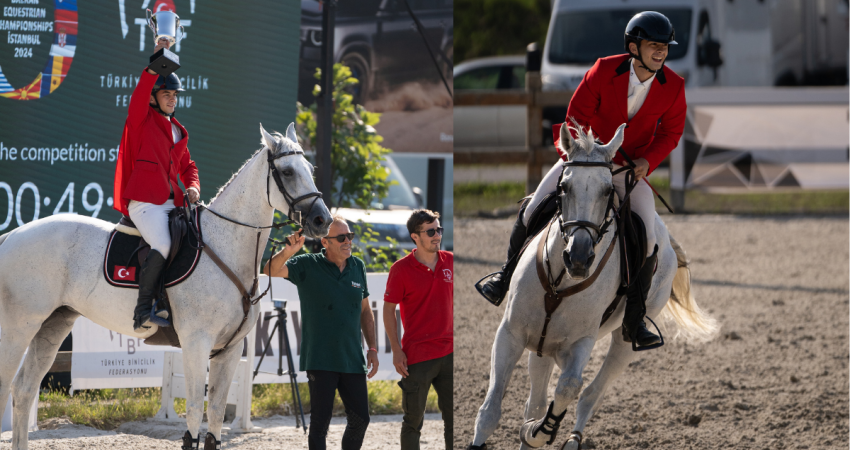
{"x": 164, "y": 25}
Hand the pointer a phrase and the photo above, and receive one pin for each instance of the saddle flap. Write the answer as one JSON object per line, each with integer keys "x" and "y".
{"x": 177, "y": 227}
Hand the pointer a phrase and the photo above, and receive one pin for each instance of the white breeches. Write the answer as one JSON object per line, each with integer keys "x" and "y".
{"x": 152, "y": 222}
{"x": 643, "y": 203}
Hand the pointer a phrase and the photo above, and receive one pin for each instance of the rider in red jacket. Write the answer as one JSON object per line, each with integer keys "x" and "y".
{"x": 152, "y": 156}
{"x": 636, "y": 89}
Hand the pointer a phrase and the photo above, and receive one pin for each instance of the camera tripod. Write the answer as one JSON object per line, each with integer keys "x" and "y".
{"x": 283, "y": 346}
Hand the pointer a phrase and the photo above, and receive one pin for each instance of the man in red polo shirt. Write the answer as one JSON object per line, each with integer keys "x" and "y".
{"x": 422, "y": 283}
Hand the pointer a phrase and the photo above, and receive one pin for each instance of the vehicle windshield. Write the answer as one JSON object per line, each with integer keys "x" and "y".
{"x": 582, "y": 37}
{"x": 400, "y": 195}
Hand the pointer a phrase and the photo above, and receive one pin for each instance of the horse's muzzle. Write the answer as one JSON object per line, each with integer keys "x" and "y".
{"x": 317, "y": 221}
{"x": 578, "y": 263}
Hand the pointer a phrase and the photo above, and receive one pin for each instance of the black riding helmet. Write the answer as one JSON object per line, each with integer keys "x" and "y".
{"x": 171, "y": 83}
{"x": 648, "y": 26}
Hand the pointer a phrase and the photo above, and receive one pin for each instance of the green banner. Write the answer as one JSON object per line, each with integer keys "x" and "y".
{"x": 68, "y": 68}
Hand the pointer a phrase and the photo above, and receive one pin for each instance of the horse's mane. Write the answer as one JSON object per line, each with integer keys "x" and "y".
{"x": 280, "y": 144}
{"x": 585, "y": 141}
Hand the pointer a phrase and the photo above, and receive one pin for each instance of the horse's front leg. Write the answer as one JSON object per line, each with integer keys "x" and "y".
{"x": 507, "y": 349}
{"x": 539, "y": 371}
{"x": 222, "y": 368}
{"x": 572, "y": 362}
{"x": 619, "y": 356}
{"x": 196, "y": 353}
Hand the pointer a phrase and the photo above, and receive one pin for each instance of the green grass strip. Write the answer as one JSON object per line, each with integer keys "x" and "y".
{"x": 106, "y": 409}
{"x": 472, "y": 198}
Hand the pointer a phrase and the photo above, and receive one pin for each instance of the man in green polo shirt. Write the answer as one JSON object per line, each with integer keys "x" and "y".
{"x": 334, "y": 309}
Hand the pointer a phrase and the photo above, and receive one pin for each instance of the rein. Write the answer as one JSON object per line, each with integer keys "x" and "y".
{"x": 247, "y": 300}
{"x": 552, "y": 299}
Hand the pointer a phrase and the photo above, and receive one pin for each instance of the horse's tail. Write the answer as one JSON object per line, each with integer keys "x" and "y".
{"x": 693, "y": 323}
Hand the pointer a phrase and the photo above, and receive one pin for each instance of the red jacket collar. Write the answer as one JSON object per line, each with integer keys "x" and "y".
{"x": 165, "y": 125}
{"x": 621, "y": 87}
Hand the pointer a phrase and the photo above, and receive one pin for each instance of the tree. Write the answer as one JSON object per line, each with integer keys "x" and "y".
{"x": 498, "y": 27}
{"x": 356, "y": 151}
{"x": 356, "y": 155}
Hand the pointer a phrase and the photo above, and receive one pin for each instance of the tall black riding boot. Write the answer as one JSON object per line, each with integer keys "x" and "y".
{"x": 634, "y": 328}
{"x": 149, "y": 287}
{"x": 496, "y": 286}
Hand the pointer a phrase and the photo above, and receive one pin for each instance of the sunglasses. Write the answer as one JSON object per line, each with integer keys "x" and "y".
{"x": 341, "y": 237}
{"x": 433, "y": 231}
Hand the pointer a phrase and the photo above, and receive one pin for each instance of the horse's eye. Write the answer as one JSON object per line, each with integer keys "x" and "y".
{"x": 287, "y": 173}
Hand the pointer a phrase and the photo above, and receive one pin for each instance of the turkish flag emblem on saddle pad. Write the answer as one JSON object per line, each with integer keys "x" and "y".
{"x": 124, "y": 273}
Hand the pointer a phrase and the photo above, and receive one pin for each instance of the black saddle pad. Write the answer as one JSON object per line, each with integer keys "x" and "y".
{"x": 121, "y": 266}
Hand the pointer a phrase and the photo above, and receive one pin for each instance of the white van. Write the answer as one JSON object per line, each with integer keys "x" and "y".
{"x": 720, "y": 43}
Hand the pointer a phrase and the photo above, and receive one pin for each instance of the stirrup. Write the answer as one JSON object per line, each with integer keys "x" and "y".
{"x": 188, "y": 442}
{"x": 159, "y": 317}
{"x": 210, "y": 443}
{"x": 479, "y": 286}
{"x": 635, "y": 348}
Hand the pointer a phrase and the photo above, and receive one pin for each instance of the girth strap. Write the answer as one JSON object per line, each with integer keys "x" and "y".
{"x": 553, "y": 299}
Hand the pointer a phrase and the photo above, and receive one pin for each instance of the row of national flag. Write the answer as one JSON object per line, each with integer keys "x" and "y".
{"x": 61, "y": 55}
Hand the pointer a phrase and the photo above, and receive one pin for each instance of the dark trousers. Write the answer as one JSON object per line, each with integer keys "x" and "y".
{"x": 436, "y": 372}
{"x": 352, "y": 392}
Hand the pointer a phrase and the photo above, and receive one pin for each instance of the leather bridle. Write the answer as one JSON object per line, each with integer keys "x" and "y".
{"x": 250, "y": 298}
{"x": 576, "y": 225}
{"x": 290, "y": 200}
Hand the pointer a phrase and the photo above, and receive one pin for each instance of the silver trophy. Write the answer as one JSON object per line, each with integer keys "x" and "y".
{"x": 164, "y": 24}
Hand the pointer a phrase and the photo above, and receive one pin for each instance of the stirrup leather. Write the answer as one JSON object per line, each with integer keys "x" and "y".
{"x": 210, "y": 443}
{"x": 188, "y": 442}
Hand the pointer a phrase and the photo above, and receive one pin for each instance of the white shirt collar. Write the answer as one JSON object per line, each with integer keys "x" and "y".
{"x": 633, "y": 78}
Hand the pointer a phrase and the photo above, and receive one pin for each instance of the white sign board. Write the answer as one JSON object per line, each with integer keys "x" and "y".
{"x": 102, "y": 359}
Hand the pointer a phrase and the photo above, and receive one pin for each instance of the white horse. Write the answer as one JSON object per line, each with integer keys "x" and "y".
{"x": 51, "y": 273}
{"x": 574, "y": 327}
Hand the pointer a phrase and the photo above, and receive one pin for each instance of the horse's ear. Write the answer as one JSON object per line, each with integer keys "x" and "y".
{"x": 290, "y": 133}
{"x": 268, "y": 140}
{"x": 616, "y": 142}
{"x": 566, "y": 142}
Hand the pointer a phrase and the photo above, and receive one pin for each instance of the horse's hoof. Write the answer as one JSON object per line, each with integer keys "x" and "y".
{"x": 574, "y": 442}
{"x": 477, "y": 447}
{"x": 526, "y": 435}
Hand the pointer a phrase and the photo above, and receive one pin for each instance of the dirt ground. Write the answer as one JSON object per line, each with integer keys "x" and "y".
{"x": 276, "y": 433}
{"x": 776, "y": 376}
